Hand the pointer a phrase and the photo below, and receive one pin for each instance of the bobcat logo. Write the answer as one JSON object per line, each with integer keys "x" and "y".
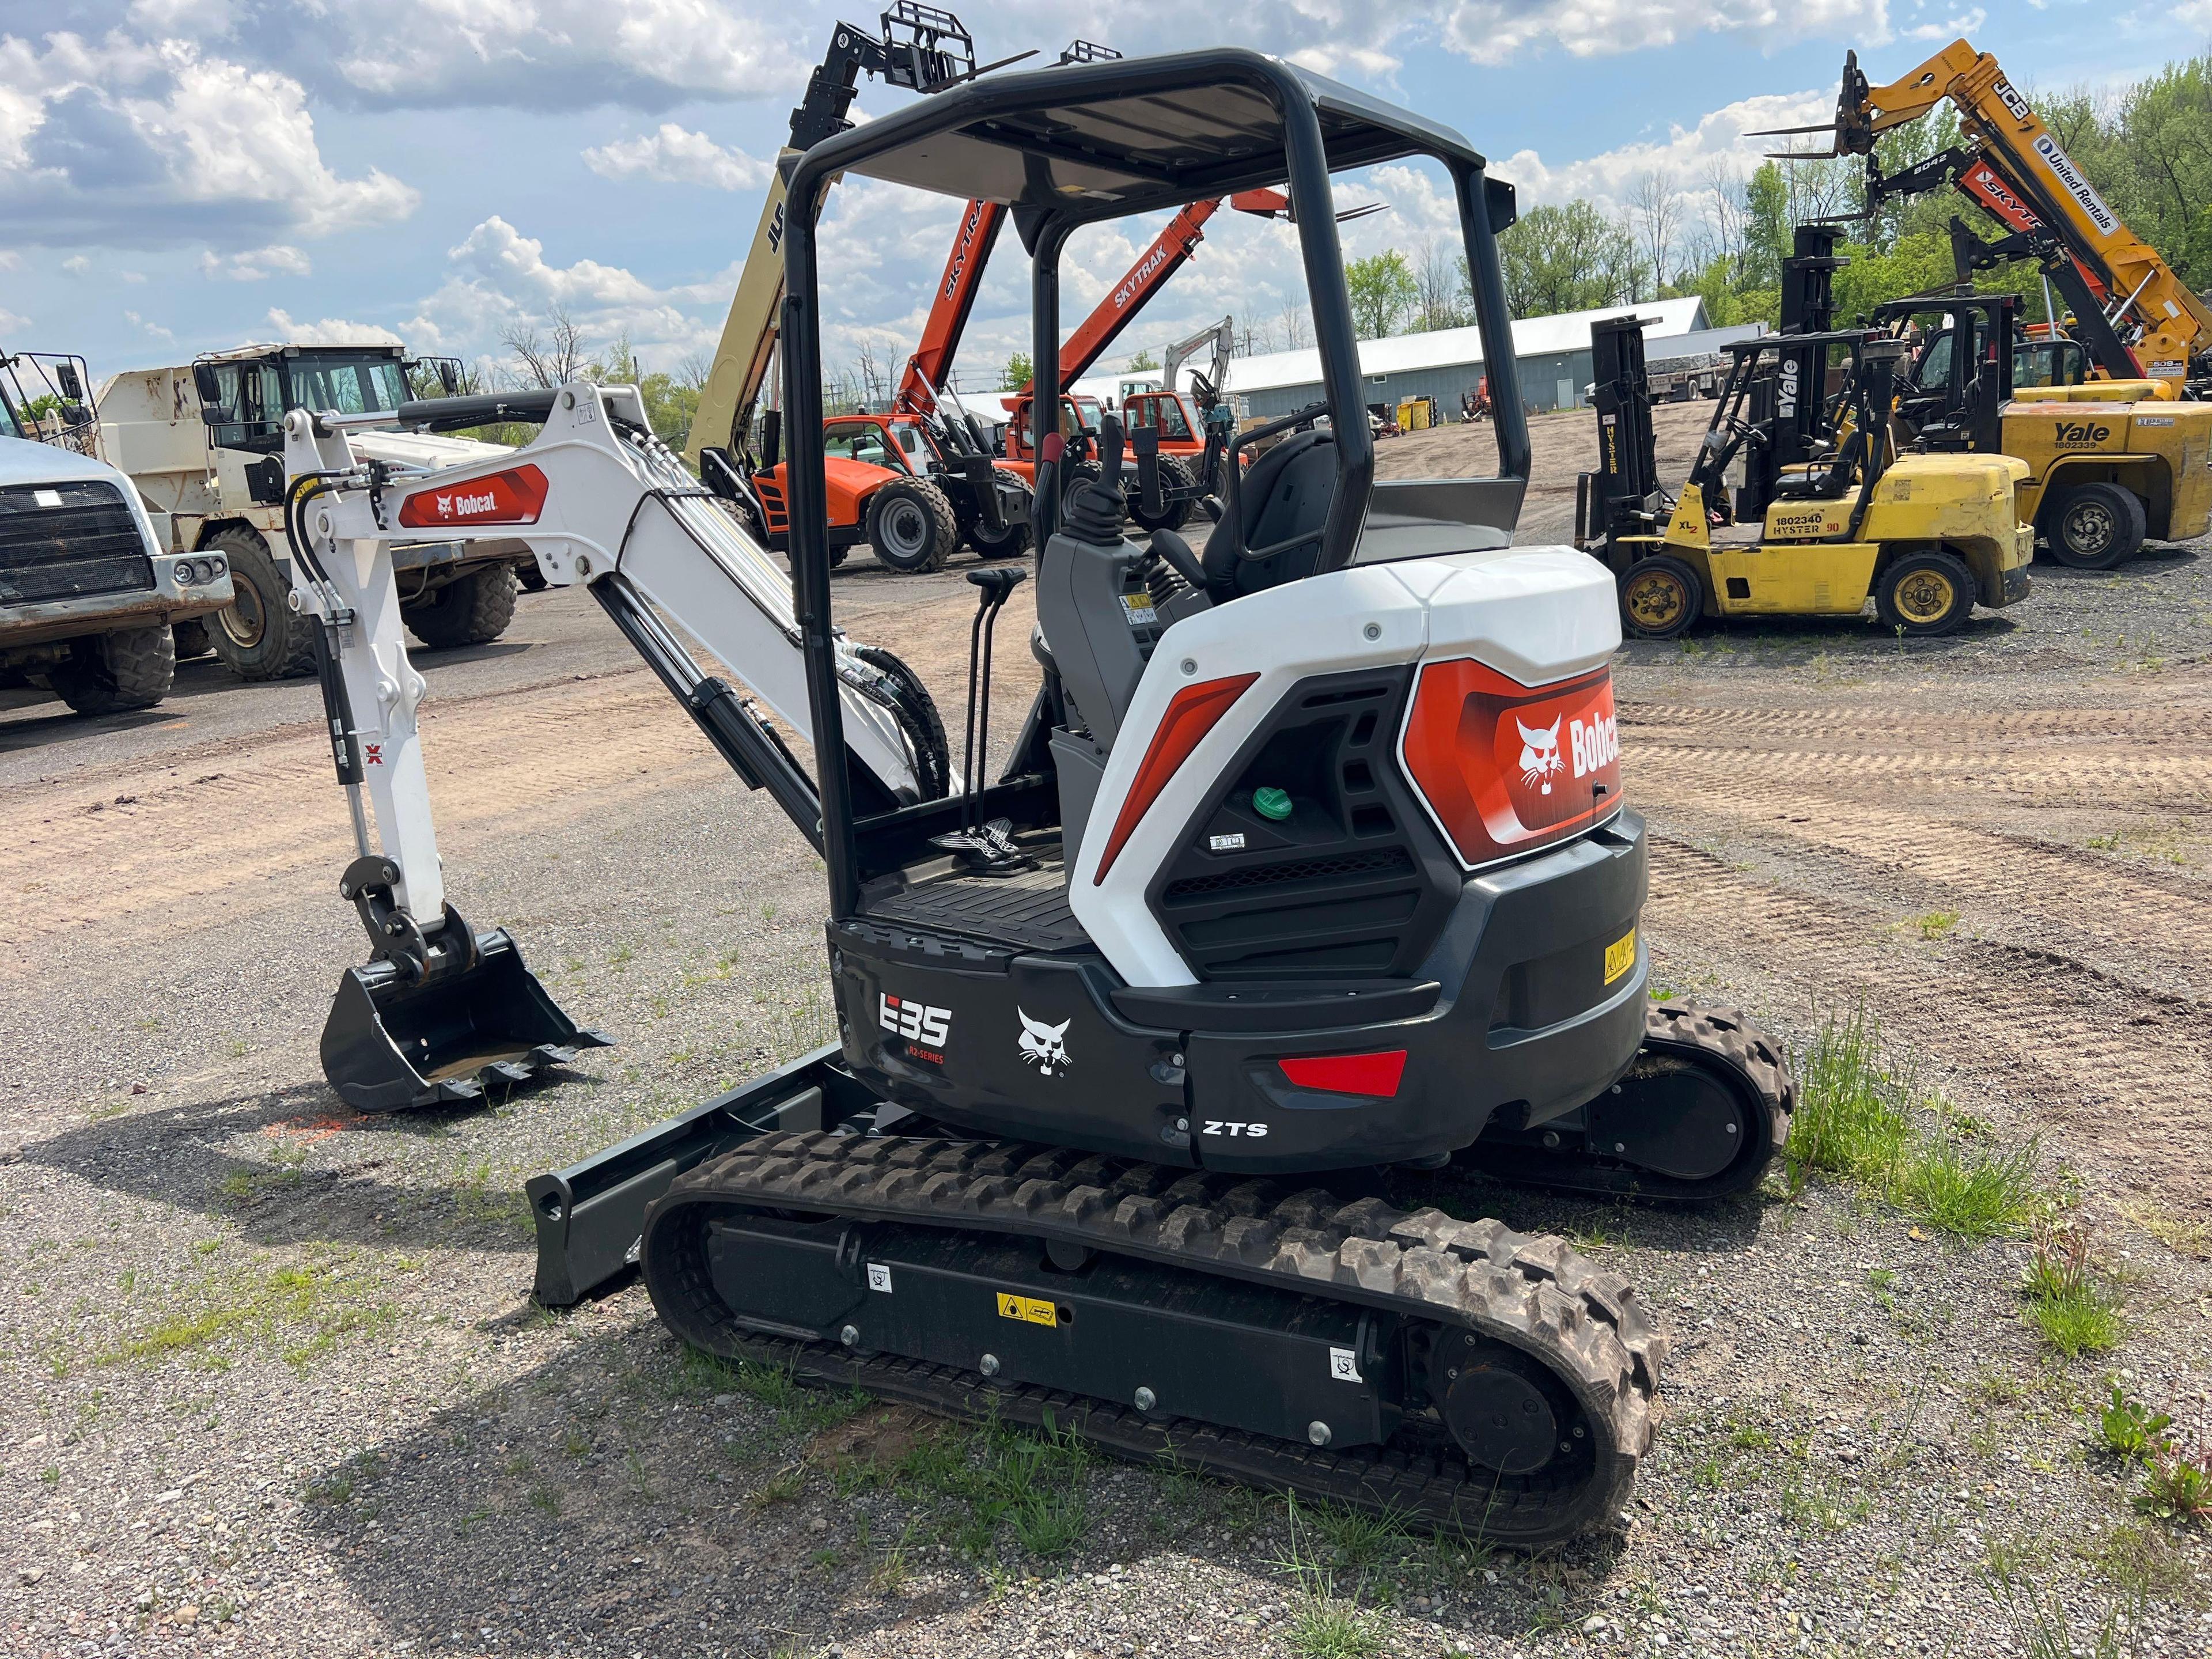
{"x": 1042, "y": 1046}
{"x": 1540, "y": 754}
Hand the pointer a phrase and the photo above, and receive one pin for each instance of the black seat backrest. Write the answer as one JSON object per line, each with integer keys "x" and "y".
{"x": 1284, "y": 502}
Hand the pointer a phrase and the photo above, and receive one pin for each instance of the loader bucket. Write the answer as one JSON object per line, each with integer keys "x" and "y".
{"x": 390, "y": 1045}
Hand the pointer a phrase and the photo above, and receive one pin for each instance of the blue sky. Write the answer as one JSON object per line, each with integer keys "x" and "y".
{"x": 183, "y": 175}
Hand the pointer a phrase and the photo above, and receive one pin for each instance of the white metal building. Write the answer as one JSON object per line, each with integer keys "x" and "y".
{"x": 1555, "y": 354}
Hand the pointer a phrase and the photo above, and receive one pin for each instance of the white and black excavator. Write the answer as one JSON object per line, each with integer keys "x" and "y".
{"x": 1166, "y": 1055}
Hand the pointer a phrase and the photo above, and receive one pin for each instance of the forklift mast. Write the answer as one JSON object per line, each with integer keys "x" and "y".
{"x": 1622, "y": 497}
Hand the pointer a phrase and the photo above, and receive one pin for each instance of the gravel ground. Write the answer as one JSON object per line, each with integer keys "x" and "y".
{"x": 272, "y": 1383}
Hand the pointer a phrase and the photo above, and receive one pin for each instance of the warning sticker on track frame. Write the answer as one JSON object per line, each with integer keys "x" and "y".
{"x": 1033, "y": 1310}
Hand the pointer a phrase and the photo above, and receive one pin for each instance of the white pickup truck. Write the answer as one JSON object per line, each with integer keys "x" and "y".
{"x": 88, "y": 594}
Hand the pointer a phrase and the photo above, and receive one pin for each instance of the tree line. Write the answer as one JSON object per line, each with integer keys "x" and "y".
{"x": 1722, "y": 235}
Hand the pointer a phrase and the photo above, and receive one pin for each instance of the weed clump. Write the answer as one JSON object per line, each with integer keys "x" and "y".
{"x": 2075, "y": 1313}
{"x": 1862, "y": 1116}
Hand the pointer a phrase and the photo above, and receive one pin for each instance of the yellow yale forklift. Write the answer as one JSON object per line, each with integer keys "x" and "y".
{"x": 1826, "y": 515}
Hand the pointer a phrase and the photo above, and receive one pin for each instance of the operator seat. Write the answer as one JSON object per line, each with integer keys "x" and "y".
{"x": 1282, "y": 503}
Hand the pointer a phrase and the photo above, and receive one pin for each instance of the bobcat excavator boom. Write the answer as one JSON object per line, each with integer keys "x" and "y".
{"x": 605, "y": 505}
{"x": 2019, "y": 156}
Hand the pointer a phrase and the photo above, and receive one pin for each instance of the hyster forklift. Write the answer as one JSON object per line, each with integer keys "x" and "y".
{"x": 1308, "y": 889}
{"x": 1833, "y": 515}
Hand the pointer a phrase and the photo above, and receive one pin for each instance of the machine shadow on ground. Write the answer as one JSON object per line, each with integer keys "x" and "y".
{"x": 180, "y": 1156}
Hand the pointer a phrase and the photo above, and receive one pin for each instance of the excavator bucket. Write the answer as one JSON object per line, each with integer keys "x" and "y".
{"x": 391, "y": 1043}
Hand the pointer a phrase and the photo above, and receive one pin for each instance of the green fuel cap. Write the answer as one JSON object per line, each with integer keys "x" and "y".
{"x": 1271, "y": 803}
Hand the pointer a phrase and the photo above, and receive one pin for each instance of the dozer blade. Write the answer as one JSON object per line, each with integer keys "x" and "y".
{"x": 391, "y": 1045}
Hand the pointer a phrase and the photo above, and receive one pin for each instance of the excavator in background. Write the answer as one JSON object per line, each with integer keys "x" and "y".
{"x": 2012, "y": 165}
{"x": 1307, "y": 891}
{"x": 1195, "y": 438}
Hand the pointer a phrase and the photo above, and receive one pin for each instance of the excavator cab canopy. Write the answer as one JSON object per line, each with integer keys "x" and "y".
{"x": 1076, "y": 144}
{"x": 1080, "y": 144}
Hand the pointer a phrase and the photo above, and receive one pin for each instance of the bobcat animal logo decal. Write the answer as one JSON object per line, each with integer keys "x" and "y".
{"x": 1044, "y": 1046}
{"x": 1540, "y": 754}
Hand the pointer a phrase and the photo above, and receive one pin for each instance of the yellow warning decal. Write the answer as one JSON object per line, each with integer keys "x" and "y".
{"x": 1028, "y": 1308}
{"x": 1620, "y": 955}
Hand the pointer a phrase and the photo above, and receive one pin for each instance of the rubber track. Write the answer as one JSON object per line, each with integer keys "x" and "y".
{"x": 1720, "y": 1038}
{"x": 1534, "y": 1293}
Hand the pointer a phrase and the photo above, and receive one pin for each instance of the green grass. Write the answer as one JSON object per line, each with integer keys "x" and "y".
{"x": 1325, "y": 1627}
{"x": 1936, "y": 924}
{"x": 299, "y": 1312}
{"x": 1862, "y": 1116}
{"x": 1854, "y": 1113}
{"x": 1960, "y": 1189}
{"x": 2075, "y": 1314}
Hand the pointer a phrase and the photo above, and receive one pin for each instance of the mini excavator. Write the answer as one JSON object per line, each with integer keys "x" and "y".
{"x": 1306, "y": 901}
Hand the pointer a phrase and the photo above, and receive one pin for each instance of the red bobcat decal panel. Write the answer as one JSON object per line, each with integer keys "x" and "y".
{"x": 1506, "y": 769}
{"x": 515, "y": 496}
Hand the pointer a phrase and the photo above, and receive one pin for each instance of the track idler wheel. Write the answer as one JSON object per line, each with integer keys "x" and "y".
{"x": 1699, "y": 1116}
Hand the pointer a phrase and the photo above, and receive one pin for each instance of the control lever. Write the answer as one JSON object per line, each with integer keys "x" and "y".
{"x": 989, "y": 847}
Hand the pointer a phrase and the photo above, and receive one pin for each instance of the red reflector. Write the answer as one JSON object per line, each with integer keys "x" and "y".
{"x": 515, "y": 496}
{"x": 1194, "y": 711}
{"x": 1506, "y": 767}
{"x": 1348, "y": 1074}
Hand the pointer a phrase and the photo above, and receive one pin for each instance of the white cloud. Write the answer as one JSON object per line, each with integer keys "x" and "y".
{"x": 541, "y": 53}
{"x": 76, "y": 264}
{"x": 1680, "y": 159}
{"x": 12, "y": 323}
{"x": 330, "y": 331}
{"x": 1967, "y": 23}
{"x": 1498, "y": 31}
{"x": 152, "y": 330}
{"x": 122, "y": 144}
{"x": 256, "y": 265}
{"x": 673, "y": 156}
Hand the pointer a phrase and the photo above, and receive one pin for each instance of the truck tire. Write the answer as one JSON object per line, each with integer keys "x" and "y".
{"x": 2094, "y": 526}
{"x": 473, "y": 609}
{"x": 191, "y": 637}
{"x": 1175, "y": 511}
{"x": 1924, "y": 594}
{"x": 131, "y": 668}
{"x": 258, "y": 634}
{"x": 1660, "y": 597}
{"x": 911, "y": 526}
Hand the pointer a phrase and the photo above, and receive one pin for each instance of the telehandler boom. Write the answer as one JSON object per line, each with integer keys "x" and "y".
{"x": 2020, "y": 158}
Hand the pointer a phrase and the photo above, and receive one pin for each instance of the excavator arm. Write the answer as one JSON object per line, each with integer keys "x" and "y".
{"x": 604, "y": 505}
{"x": 2026, "y": 162}
{"x": 921, "y": 48}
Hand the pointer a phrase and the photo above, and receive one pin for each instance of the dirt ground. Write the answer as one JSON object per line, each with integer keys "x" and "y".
{"x": 272, "y": 1382}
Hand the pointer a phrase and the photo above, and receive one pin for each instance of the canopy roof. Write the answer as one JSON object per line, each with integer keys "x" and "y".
{"x": 1106, "y": 140}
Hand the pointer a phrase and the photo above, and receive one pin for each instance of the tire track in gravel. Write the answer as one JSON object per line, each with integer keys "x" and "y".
{"x": 2000, "y": 881}
{"x": 2125, "y": 1074}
